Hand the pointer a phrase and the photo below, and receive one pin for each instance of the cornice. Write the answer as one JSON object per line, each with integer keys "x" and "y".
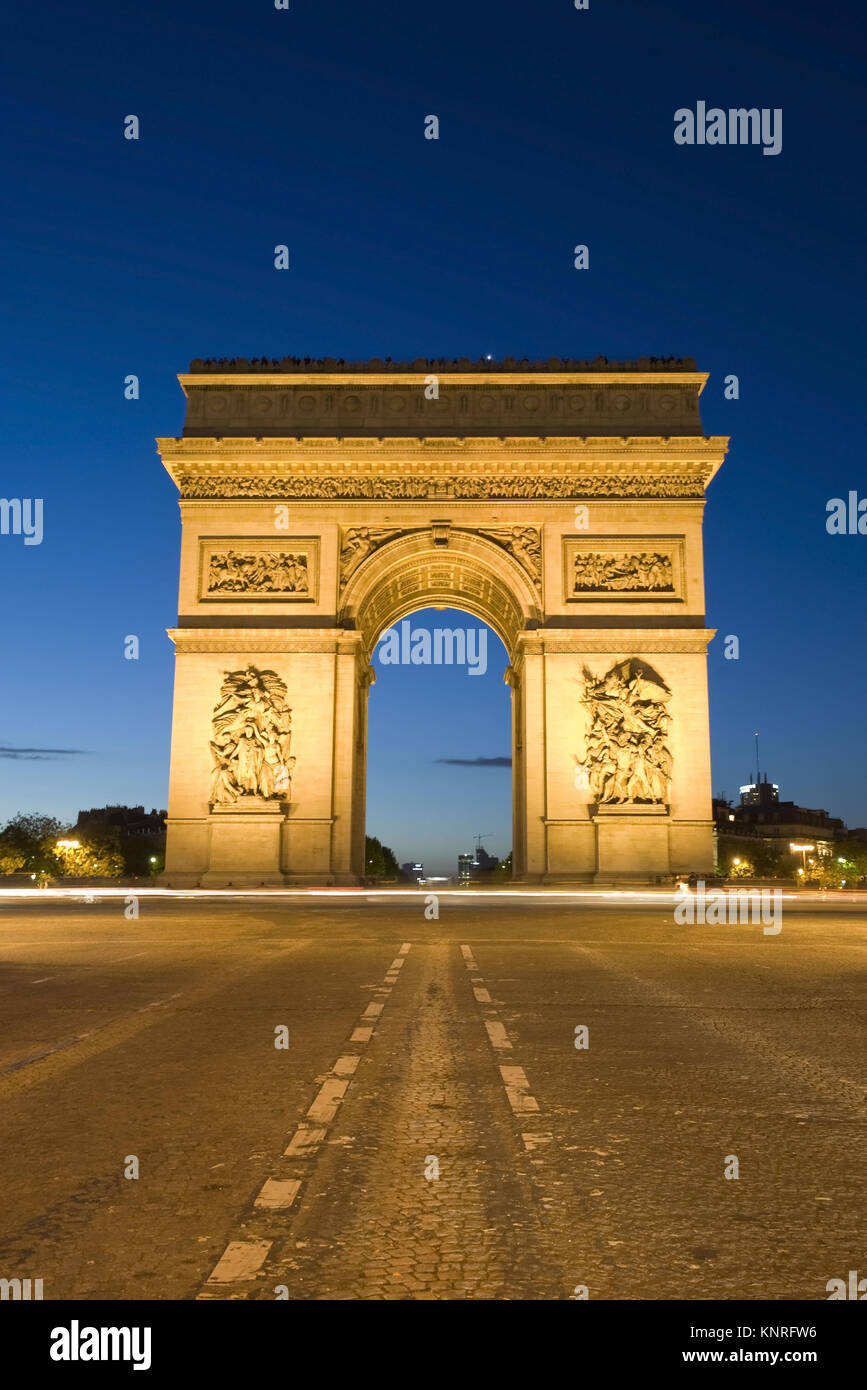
{"x": 249, "y": 641}
{"x": 445, "y": 377}
{"x": 554, "y": 466}
{"x": 556, "y": 447}
{"x": 628, "y": 641}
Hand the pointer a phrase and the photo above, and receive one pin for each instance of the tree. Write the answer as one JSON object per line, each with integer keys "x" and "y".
{"x": 33, "y": 844}
{"x": 846, "y": 867}
{"x": 28, "y": 844}
{"x": 503, "y": 871}
{"x": 92, "y": 858}
{"x": 379, "y": 860}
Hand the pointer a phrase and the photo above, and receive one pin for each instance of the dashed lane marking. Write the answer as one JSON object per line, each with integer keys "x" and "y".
{"x": 278, "y": 1193}
{"x": 498, "y": 1035}
{"x": 514, "y": 1078}
{"x": 242, "y": 1260}
{"x": 304, "y": 1141}
{"x": 518, "y": 1090}
{"x": 327, "y": 1103}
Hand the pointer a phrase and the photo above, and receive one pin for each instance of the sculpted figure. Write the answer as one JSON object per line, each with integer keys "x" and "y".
{"x": 626, "y": 754}
{"x": 358, "y": 542}
{"x": 257, "y": 572}
{"x": 250, "y": 740}
{"x": 620, "y": 572}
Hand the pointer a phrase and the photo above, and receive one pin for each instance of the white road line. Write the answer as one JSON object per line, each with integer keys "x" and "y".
{"x": 327, "y": 1102}
{"x": 43, "y": 980}
{"x": 498, "y": 1035}
{"x": 397, "y": 963}
{"x": 277, "y": 1194}
{"x": 240, "y": 1260}
{"x": 518, "y": 1090}
{"x": 304, "y": 1142}
{"x": 243, "y": 1258}
{"x": 514, "y": 1078}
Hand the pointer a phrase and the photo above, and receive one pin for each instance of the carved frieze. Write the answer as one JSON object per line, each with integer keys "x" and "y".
{"x": 623, "y": 567}
{"x": 251, "y": 735}
{"x": 258, "y": 570}
{"x": 643, "y": 572}
{"x": 627, "y": 760}
{"x": 477, "y": 487}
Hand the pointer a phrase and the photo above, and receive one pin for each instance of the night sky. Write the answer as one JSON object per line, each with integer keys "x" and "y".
{"x": 306, "y": 127}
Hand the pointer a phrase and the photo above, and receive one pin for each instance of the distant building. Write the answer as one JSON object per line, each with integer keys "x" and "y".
{"x": 414, "y": 872}
{"x": 465, "y": 867}
{"x": 761, "y": 815}
{"x": 472, "y": 867}
{"x": 140, "y": 835}
{"x": 130, "y": 820}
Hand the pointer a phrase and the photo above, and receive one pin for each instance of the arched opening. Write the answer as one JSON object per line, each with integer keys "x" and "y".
{"x": 410, "y": 600}
{"x": 439, "y": 747}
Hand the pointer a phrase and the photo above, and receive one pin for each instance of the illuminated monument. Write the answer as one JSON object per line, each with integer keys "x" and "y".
{"x": 322, "y": 502}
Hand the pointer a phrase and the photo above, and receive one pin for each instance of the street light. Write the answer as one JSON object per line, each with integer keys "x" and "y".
{"x": 69, "y": 844}
{"x": 802, "y": 850}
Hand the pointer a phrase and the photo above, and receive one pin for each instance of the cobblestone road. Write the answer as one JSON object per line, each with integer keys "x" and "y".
{"x": 431, "y": 1130}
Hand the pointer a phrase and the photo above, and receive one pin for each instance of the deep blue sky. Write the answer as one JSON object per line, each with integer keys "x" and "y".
{"x": 306, "y": 127}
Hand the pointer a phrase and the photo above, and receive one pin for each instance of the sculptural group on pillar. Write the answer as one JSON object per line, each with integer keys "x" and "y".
{"x": 627, "y": 758}
{"x": 251, "y": 735}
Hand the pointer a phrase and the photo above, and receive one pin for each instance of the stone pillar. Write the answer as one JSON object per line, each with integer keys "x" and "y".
{"x": 307, "y": 837}
{"x": 531, "y": 679}
{"x": 589, "y": 840}
{"x": 519, "y": 847}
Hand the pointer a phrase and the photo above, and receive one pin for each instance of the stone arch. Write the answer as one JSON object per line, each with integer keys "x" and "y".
{"x": 464, "y": 570}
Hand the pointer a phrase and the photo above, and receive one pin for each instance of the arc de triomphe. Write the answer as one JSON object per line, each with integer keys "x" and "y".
{"x": 321, "y": 502}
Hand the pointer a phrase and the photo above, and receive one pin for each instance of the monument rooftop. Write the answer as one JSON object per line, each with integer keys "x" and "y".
{"x": 458, "y": 398}
{"x": 523, "y": 365}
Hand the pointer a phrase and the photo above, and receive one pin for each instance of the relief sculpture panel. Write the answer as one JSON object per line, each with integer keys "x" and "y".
{"x": 627, "y": 760}
{"x": 258, "y": 569}
{"x": 618, "y": 567}
{"x": 250, "y": 739}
